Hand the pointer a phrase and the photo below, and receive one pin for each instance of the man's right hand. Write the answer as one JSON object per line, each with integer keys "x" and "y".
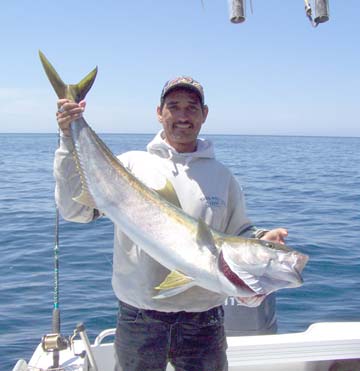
{"x": 69, "y": 112}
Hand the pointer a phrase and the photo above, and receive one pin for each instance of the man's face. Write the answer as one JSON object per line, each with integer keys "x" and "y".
{"x": 182, "y": 116}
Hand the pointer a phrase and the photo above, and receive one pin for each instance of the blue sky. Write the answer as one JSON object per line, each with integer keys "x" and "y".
{"x": 272, "y": 75}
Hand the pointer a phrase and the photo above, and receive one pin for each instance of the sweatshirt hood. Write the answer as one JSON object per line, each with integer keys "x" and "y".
{"x": 158, "y": 146}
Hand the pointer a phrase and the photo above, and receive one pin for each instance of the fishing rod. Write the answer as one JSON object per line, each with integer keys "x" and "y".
{"x": 238, "y": 11}
{"x": 56, "y": 310}
{"x": 55, "y": 342}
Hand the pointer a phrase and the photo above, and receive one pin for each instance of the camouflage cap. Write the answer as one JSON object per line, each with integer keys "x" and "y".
{"x": 186, "y": 82}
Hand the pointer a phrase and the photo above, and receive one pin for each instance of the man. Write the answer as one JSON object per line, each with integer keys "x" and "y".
{"x": 187, "y": 329}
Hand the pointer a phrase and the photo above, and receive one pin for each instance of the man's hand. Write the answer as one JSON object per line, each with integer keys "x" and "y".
{"x": 68, "y": 111}
{"x": 277, "y": 235}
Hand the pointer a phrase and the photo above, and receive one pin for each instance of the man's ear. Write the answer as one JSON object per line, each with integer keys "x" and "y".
{"x": 205, "y": 111}
{"x": 159, "y": 113}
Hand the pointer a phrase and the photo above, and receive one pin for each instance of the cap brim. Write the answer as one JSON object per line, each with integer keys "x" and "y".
{"x": 183, "y": 86}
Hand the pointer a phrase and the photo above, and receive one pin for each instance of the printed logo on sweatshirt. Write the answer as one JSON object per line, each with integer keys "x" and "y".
{"x": 213, "y": 201}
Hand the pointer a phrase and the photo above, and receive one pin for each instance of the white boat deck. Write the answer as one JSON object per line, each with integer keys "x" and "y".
{"x": 317, "y": 349}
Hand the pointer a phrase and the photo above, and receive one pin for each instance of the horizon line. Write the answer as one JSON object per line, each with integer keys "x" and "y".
{"x": 201, "y": 134}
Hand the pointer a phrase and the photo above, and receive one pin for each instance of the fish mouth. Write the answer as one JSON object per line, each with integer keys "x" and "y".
{"x": 297, "y": 268}
{"x": 301, "y": 261}
{"x": 298, "y": 276}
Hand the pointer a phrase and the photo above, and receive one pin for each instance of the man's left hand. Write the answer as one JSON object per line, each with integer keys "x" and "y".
{"x": 277, "y": 235}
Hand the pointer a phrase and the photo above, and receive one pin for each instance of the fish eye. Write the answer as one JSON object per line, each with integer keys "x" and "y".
{"x": 269, "y": 245}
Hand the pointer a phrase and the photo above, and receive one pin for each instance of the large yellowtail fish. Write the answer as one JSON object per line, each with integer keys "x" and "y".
{"x": 196, "y": 255}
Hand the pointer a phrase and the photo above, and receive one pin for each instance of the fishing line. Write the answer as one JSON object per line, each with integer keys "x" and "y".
{"x": 56, "y": 318}
{"x": 56, "y": 310}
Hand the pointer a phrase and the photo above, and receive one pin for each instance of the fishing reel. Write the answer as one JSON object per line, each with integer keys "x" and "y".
{"x": 55, "y": 342}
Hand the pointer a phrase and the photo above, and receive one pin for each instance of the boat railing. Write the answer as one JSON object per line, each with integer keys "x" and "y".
{"x": 104, "y": 334}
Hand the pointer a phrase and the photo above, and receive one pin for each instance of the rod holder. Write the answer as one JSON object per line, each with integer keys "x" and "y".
{"x": 237, "y": 11}
{"x": 321, "y": 11}
{"x": 80, "y": 330}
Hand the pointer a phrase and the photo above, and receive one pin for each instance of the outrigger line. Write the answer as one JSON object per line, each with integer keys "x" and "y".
{"x": 238, "y": 11}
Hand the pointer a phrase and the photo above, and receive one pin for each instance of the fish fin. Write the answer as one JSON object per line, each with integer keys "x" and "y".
{"x": 242, "y": 272}
{"x": 56, "y": 82}
{"x": 204, "y": 237}
{"x": 174, "y": 279}
{"x": 169, "y": 193}
{"x": 75, "y": 92}
{"x": 172, "y": 292}
{"x": 86, "y": 199}
{"x": 175, "y": 283}
{"x": 78, "y": 91}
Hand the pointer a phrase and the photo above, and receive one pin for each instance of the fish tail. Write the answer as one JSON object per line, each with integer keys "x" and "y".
{"x": 76, "y": 92}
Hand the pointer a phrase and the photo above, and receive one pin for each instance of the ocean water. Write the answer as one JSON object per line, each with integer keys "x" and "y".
{"x": 310, "y": 185}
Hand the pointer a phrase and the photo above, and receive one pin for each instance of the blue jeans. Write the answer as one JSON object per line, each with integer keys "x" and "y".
{"x": 146, "y": 340}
